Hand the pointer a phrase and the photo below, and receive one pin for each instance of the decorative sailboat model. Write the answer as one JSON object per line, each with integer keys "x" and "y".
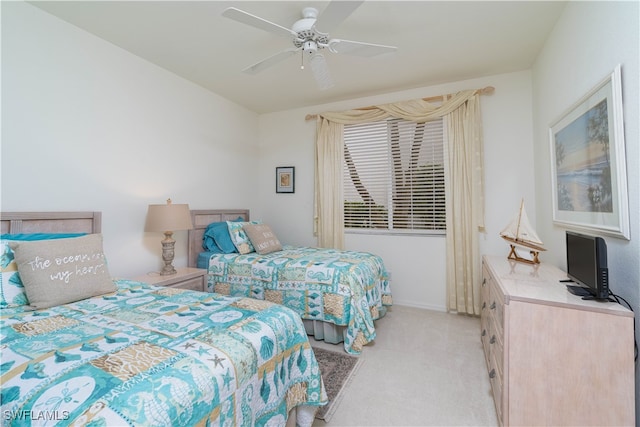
{"x": 519, "y": 232}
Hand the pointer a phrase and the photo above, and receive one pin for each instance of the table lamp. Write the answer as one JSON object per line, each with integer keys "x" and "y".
{"x": 167, "y": 219}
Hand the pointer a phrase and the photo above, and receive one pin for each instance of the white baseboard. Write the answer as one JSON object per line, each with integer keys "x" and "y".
{"x": 422, "y": 306}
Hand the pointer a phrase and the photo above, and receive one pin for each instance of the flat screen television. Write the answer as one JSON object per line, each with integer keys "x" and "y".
{"x": 587, "y": 264}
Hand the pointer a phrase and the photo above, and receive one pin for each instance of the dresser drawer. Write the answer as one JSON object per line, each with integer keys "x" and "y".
{"x": 485, "y": 334}
{"x": 493, "y": 346}
{"x": 496, "y": 346}
{"x": 496, "y": 306}
{"x": 485, "y": 313}
{"x": 485, "y": 285}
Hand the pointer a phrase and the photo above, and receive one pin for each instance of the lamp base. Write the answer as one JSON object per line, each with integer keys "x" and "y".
{"x": 168, "y": 253}
{"x": 168, "y": 270}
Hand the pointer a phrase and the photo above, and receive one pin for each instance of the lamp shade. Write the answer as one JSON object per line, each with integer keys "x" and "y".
{"x": 168, "y": 217}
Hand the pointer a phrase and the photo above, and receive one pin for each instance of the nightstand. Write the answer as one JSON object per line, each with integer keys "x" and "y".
{"x": 194, "y": 279}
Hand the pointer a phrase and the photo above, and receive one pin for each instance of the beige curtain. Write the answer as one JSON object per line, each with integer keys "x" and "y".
{"x": 462, "y": 110}
{"x": 464, "y": 189}
{"x": 329, "y": 202}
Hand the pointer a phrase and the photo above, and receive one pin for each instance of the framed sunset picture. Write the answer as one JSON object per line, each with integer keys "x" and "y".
{"x": 589, "y": 178}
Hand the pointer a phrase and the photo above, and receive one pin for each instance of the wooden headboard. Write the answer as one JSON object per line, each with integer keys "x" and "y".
{"x": 202, "y": 218}
{"x": 50, "y": 222}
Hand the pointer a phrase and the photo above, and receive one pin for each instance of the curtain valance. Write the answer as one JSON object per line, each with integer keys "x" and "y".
{"x": 415, "y": 110}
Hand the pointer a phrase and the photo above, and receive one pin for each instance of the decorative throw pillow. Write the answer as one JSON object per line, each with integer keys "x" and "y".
{"x": 12, "y": 292}
{"x": 239, "y": 237}
{"x": 56, "y": 272}
{"x": 262, "y": 238}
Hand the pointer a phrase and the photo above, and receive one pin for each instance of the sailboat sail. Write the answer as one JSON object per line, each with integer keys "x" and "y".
{"x": 520, "y": 232}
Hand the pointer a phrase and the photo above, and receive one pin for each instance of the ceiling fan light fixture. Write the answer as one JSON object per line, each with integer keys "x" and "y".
{"x": 310, "y": 47}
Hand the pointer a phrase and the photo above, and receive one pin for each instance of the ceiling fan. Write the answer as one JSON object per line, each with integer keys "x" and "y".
{"x": 310, "y": 35}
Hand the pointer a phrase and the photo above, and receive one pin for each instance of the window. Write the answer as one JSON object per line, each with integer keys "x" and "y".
{"x": 394, "y": 176}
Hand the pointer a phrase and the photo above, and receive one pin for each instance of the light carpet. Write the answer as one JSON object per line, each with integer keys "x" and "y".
{"x": 337, "y": 369}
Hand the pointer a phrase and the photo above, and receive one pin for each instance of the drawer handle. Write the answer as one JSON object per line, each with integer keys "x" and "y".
{"x": 492, "y": 374}
{"x": 493, "y": 306}
{"x": 493, "y": 339}
{"x": 484, "y": 332}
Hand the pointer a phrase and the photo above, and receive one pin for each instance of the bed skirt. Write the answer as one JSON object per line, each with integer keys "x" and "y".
{"x": 323, "y": 331}
{"x": 328, "y": 332}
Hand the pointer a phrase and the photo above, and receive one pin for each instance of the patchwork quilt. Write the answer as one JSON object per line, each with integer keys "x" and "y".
{"x": 156, "y": 356}
{"x": 346, "y": 288}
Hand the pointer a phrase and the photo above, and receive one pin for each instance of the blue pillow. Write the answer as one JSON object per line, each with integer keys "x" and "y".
{"x": 209, "y": 243}
{"x": 216, "y": 237}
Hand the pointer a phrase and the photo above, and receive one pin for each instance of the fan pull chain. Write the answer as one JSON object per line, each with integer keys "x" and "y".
{"x": 302, "y": 59}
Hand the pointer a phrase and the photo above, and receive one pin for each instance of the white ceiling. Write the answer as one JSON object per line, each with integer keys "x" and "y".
{"x": 438, "y": 42}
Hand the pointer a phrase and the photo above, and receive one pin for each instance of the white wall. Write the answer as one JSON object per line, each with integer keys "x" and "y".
{"x": 88, "y": 126}
{"x": 417, "y": 264}
{"x": 589, "y": 40}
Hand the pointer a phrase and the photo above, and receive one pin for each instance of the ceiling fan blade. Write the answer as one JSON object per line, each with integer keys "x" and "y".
{"x": 358, "y": 48}
{"x": 333, "y": 15}
{"x": 257, "y": 22}
{"x": 320, "y": 71}
{"x": 272, "y": 60}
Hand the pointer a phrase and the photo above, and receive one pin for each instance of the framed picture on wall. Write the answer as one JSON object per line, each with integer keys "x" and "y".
{"x": 589, "y": 176}
{"x": 285, "y": 179}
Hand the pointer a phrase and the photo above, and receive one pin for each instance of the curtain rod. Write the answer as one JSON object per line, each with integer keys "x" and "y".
{"x": 484, "y": 91}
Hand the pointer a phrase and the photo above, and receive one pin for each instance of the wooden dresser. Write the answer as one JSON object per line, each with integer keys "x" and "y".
{"x": 553, "y": 358}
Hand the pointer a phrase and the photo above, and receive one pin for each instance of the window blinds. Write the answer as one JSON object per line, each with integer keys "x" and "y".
{"x": 394, "y": 176}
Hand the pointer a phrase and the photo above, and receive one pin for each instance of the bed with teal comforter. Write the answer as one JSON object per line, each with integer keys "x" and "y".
{"x": 156, "y": 356}
{"x": 345, "y": 288}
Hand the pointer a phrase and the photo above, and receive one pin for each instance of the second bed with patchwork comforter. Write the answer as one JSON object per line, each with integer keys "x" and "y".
{"x": 345, "y": 288}
{"x": 156, "y": 356}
